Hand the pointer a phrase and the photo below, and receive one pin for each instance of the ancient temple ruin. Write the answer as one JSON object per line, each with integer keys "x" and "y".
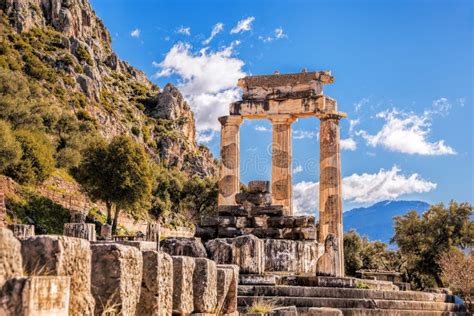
{"x": 282, "y": 99}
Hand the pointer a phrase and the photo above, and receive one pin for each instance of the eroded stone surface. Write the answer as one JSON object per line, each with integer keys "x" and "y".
{"x": 117, "y": 277}
{"x": 324, "y": 311}
{"x": 80, "y": 230}
{"x": 183, "y": 270}
{"x": 62, "y": 256}
{"x": 259, "y": 186}
{"x": 156, "y": 295}
{"x": 183, "y": 246}
{"x": 291, "y": 256}
{"x": 10, "y": 256}
{"x": 205, "y": 286}
{"x": 153, "y": 232}
{"x": 22, "y": 231}
{"x": 228, "y": 304}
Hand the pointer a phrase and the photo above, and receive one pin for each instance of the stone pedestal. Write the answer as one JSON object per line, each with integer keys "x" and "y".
{"x": 22, "y": 231}
{"x": 62, "y": 256}
{"x": 153, "y": 232}
{"x": 80, "y": 230}
{"x": 36, "y": 296}
{"x": 229, "y": 172}
{"x": 282, "y": 188}
{"x": 330, "y": 188}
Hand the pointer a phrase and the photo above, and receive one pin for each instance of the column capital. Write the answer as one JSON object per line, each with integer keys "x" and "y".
{"x": 332, "y": 115}
{"x": 230, "y": 120}
{"x": 282, "y": 118}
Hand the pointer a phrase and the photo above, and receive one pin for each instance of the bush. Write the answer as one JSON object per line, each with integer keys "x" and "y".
{"x": 10, "y": 150}
{"x": 83, "y": 54}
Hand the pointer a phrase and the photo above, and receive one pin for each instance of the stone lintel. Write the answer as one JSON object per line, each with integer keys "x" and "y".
{"x": 282, "y": 118}
{"x": 230, "y": 120}
{"x": 278, "y": 80}
{"x": 300, "y": 107}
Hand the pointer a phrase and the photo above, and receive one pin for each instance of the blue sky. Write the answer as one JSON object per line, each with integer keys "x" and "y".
{"x": 403, "y": 69}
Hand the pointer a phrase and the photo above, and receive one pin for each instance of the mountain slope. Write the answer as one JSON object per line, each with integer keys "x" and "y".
{"x": 376, "y": 221}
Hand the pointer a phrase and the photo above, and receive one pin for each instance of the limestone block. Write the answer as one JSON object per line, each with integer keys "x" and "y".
{"x": 224, "y": 278}
{"x": 205, "y": 286}
{"x": 234, "y": 210}
{"x": 80, "y": 230}
{"x": 106, "y": 231}
{"x": 62, "y": 256}
{"x": 156, "y": 295}
{"x": 117, "y": 277}
{"x": 260, "y": 221}
{"x": 22, "y": 231}
{"x": 220, "y": 250}
{"x": 259, "y": 186}
{"x": 274, "y": 233}
{"x": 227, "y": 304}
{"x": 273, "y": 210}
{"x": 226, "y": 221}
{"x": 300, "y": 233}
{"x": 183, "y": 270}
{"x": 153, "y": 232}
{"x": 183, "y": 246}
{"x": 209, "y": 220}
{"x": 293, "y": 256}
{"x": 328, "y": 263}
{"x": 78, "y": 217}
{"x": 10, "y": 256}
{"x": 139, "y": 244}
{"x": 228, "y": 232}
{"x": 324, "y": 311}
{"x": 241, "y": 222}
{"x": 259, "y": 199}
{"x": 281, "y": 222}
{"x": 206, "y": 233}
{"x": 35, "y": 296}
{"x": 285, "y": 311}
{"x": 248, "y": 254}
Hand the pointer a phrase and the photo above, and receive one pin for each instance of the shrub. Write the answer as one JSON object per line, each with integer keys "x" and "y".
{"x": 83, "y": 54}
{"x": 10, "y": 150}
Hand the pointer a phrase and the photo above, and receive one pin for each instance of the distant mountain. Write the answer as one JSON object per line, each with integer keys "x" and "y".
{"x": 376, "y": 221}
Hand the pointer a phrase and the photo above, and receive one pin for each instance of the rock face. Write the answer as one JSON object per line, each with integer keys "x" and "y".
{"x": 62, "y": 256}
{"x": 182, "y": 246}
{"x": 117, "y": 277}
{"x": 205, "y": 286}
{"x": 156, "y": 295}
{"x": 35, "y": 296}
{"x": 183, "y": 270}
{"x": 10, "y": 256}
{"x": 117, "y": 96}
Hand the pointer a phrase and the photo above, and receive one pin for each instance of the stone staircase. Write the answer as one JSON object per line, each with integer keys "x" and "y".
{"x": 345, "y": 294}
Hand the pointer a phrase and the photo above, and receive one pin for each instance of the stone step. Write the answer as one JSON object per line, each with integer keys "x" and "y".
{"x": 303, "y": 291}
{"x": 352, "y": 303}
{"x": 260, "y": 279}
{"x": 338, "y": 282}
{"x": 391, "y": 312}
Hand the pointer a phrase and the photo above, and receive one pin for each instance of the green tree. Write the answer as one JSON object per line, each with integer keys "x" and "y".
{"x": 118, "y": 174}
{"x": 421, "y": 240}
{"x": 36, "y": 162}
{"x": 10, "y": 150}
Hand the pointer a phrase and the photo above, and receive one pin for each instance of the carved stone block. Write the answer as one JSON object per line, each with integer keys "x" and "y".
{"x": 80, "y": 230}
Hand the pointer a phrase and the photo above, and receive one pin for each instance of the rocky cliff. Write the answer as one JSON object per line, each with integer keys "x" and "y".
{"x": 61, "y": 51}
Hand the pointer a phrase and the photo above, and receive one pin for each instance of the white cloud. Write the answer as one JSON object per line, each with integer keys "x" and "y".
{"x": 243, "y": 25}
{"x": 301, "y": 134}
{"x": 261, "y": 128}
{"x": 407, "y": 133}
{"x": 461, "y": 101}
{"x": 440, "y": 106}
{"x": 348, "y": 144}
{"x": 204, "y": 137}
{"x": 358, "y": 105}
{"x": 135, "y": 33}
{"x": 353, "y": 124}
{"x": 219, "y": 27}
{"x": 279, "y": 33}
{"x": 207, "y": 79}
{"x": 184, "y": 30}
{"x": 297, "y": 169}
{"x": 363, "y": 188}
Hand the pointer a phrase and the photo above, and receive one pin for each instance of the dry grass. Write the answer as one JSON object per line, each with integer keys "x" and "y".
{"x": 110, "y": 308}
{"x": 262, "y": 306}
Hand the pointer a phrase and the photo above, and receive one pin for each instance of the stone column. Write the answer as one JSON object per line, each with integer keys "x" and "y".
{"x": 282, "y": 188}
{"x": 330, "y": 193}
{"x": 229, "y": 173}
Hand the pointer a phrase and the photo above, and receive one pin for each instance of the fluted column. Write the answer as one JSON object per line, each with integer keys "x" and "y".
{"x": 282, "y": 187}
{"x": 229, "y": 172}
{"x": 330, "y": 189}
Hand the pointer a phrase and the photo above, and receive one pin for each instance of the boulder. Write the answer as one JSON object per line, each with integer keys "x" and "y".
{"x": 22, "y": 231}
{"x": 183, "y": 270}
{"x": 259, "y": 186}
{"x": 183, "y": 246}
{"x": 10, "y": 256}
{"x": 117, "y": 277}
{"x": 36, "y": 295}
{"x": 80, "y": 230}
{"x": 156, "y": 295}
{"x": 205, "y": 286}
{"x": 62, "y": 256}
{"x": 227, "y": 300}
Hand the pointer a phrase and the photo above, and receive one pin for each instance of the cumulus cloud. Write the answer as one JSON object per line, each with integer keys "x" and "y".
{"x": 353, "y": 124}
{"x": 301, "y": 134}
{"x": 219, "y": 27}
{"x": 358, "y": 105}
{"x": 261, "y": 128}
{"x": 297, "y": 169}
{"x": 135, "y": 33}
{"x": 184, "y": 30}
{"x": 207, "y": 79}
{"x": 363, "y": 188}
{"x": 407, "y": 133}
{"x": 277, "y": 34}
{"x": 243, "y": 25}
{"x": 348, "y": 144}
